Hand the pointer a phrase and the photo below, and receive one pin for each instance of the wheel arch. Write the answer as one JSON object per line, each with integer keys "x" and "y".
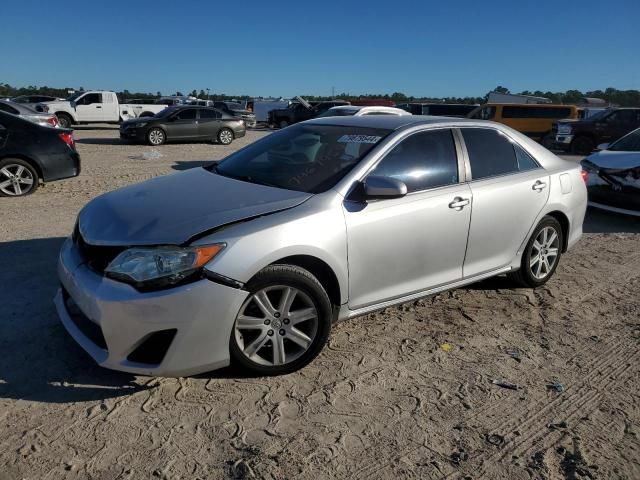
{"x": 29, "y": 160}
{"x": 62, "y": 112}
{"x": 319, "y": 269}
{"x": 563, "y": 220}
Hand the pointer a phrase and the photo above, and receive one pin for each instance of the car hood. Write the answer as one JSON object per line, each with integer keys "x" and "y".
{"x": 134, "y": 121}
{"x": 609, "y": 159}
{"x": 172, "y": 209}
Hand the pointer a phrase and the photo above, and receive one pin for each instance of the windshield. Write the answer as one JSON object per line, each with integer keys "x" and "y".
{"x": 165, "y": 112}
{"x": 599, "y": 116}
{"x": 628, "y": 143}
{"x": 74, "y": 96}
{"x": 305, "y": 158}
{"x": 234, "y": 106}
{"x": 338, "y": 112}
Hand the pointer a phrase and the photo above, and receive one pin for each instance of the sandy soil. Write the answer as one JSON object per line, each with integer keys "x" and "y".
{"x": 404, "y": 393}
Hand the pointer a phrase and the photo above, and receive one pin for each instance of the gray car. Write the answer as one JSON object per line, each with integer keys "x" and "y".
{"x": 27, "y": 112}
{"x": 254, "y": 258}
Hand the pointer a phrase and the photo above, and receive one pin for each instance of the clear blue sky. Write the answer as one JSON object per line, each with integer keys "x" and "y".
{"x": 421, "y": 48}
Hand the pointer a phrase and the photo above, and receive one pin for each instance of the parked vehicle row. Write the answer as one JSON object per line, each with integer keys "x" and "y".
{"x": 252, "y": 259}
{"x": 31, "y": 152}
{"x": 356, "y": 111}
{"x": 184, "y": 123}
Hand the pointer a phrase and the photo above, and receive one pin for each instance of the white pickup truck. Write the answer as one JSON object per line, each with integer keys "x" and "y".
{"x": 98, "y": 106}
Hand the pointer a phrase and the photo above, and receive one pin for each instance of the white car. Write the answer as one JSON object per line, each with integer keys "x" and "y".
{"x": 356, "y": 111}
{"x": 98, "y": 106}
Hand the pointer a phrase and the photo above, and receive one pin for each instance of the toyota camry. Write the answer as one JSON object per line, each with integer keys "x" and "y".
{"x": 252, "y": 259}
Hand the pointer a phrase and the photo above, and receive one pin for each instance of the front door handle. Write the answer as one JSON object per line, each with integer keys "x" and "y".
{"x": 459, "y": 203}
{"x": 539, "y": 186}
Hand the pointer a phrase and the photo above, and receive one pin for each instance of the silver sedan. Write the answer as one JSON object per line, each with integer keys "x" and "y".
{"x": 252, "y": 259}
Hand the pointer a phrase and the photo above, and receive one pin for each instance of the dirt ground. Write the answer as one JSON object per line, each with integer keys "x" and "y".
{"x": 404, "y": 393}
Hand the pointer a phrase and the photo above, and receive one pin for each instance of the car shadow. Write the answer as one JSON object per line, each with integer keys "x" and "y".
{"x": 101, "y": 141}
{"x": 40, "y": 361}
{"x": 188, "y": 164}
{"x": 96, "y": 127}
{"x": 602, "y": 221}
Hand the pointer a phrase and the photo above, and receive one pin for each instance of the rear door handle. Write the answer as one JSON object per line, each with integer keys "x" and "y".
{"x": 98, "y": 106}
{"x": 539, "y": 186}
{"x": 459, "y": 203}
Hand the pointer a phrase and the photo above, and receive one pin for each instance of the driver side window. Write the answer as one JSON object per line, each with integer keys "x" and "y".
{"x": 90, "y": 98}
{"x": 423, "y": 160}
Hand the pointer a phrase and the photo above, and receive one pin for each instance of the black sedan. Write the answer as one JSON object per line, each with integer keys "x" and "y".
{"x": 184, "y": 123}
{"x": 30, "y": 153}
{"x": 613, "y": 175}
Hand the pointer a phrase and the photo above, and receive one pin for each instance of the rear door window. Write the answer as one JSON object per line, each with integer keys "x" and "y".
{"x": 490, "y": 153}
{"x": 422, "y": 161}
{"x": 188, "y": 114}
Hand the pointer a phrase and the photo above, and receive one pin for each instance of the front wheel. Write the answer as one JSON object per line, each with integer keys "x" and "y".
{"x": 542, "y": 254}
{"x": 17, "y": 178}
{"x": 225, "y": 136}
{"x": 582, "y": 146}
{"x": 283, "y": 124}
{"x": 283, "y": 324}
{"x": 156, "y": 136}
{"x": 64, "y": 120}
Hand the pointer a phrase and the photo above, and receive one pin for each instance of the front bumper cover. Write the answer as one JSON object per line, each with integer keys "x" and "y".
{"x": 202, "y": 313}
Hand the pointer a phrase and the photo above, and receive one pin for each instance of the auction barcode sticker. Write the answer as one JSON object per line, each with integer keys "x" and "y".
{"x": 359, "y": 139}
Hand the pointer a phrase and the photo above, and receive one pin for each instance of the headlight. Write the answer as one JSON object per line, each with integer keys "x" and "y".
{"x": 139, "y": 125}
{"x": 160, "y": 266}
{"x": 564, "y": 129}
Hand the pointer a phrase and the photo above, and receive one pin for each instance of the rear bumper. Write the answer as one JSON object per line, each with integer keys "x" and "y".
{"x": 58, "y": 166}
{"x": 201, "y": 313}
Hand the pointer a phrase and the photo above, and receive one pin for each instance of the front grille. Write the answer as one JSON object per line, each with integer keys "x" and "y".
{"x": 98, "y": 257}
{"x": 89, "y": 329}
{"x": 153, "y": 349}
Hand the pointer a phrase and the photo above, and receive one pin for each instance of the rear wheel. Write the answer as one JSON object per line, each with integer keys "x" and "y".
{"x": 542, "y": 254}
{"x": 64, "y": 120}
{"x": 225, "y": 136}
{"x": 582, "y": 145}
{"x": 284, "y": 323}
{"x": 156, "y": 136}
{"x": 17, "y": 178}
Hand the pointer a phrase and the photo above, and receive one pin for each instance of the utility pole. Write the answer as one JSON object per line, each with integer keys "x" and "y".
{"x": 333, "y": 92}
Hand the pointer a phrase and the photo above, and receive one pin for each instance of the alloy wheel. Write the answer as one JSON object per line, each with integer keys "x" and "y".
{"x": 544, "y": 253}
{"x": 15, "y": 180}
{"x": 156, "y": 137}
{"x": 276, "y": 325}
{"x": 226, "y": 137}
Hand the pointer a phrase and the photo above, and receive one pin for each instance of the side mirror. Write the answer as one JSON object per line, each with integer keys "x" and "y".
{"x": 602, "y": 146}
{"x": 384, "y": 187}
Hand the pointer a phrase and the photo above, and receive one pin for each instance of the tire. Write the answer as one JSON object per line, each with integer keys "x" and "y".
{"x": 225, "y": 136}
{"x": 534, "y": 274}
{"x": 283, "y": 123}
{"x": 64, "y": 120}
{"x": 257, "y": 337}
{"x": 548, "y": 141}
{"x": 582, "y": 145}
{"x": 17, "y": 178}
{"x": 156, "y": 137}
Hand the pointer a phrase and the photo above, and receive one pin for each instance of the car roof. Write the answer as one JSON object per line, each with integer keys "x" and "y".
{"x": 392, "y": 122}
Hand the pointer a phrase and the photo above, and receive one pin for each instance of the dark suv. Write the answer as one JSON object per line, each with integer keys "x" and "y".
{"x": 300, "y": 111}
{"x": 583, "y": 136}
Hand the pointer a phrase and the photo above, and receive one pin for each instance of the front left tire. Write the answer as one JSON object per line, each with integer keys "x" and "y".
{"x": 225, "y": 136}
{"x": 17, "y": 178}
{"x": 156, "y": 137}
{"x": 283, "y": 324}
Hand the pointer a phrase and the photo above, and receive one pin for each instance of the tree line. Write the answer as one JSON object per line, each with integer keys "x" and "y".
{"x": 625, "y": 98}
